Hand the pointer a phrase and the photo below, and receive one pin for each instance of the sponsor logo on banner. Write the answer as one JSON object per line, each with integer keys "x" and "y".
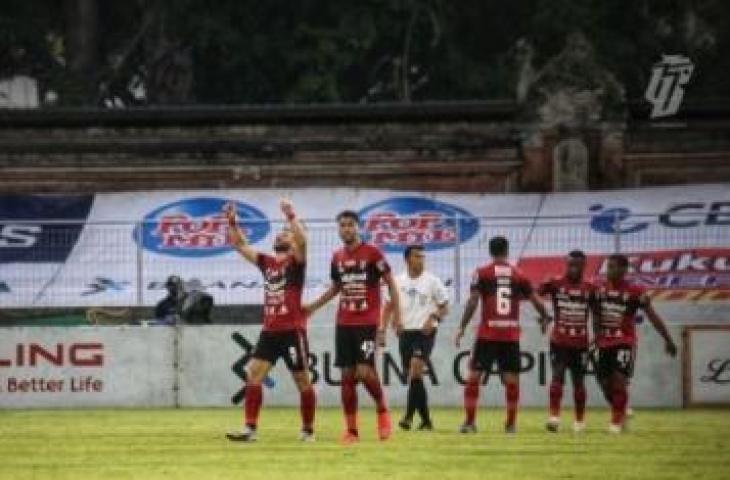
{"x": 674, "y": 275}
{"x": 40, "y": 228}
{"x": 242, "y": 283}
{"x": 614, "y": 220}
{"x": 394, "y": 223}
{"x": 36, "y": 356}
{"x": 196, "y": 227}
{"x": 239, "y": 367}
{"x": 707, "y": 373}
{"x": 103, "y": 284}
{"x": 718, "y": 371}
{"x": 74, "y": 354}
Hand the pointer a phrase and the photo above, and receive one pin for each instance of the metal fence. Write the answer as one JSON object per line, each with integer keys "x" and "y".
{"x": 109, "y": 264}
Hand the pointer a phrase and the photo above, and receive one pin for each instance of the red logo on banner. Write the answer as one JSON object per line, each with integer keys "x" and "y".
{"x": 699, "y": 274}
{"x": 60, "y": 355}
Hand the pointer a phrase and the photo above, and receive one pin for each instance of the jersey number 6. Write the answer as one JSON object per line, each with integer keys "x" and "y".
{"x": 504, "y": 302}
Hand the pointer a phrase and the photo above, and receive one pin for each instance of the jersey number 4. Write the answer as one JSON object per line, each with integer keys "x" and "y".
{"x": 368, "y": 348}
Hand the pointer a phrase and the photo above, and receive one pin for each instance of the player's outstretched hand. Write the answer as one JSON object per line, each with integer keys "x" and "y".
{"x": 287, "y": 208}
{"x": 671, "y": 349}
{"x": 229, "y": 210}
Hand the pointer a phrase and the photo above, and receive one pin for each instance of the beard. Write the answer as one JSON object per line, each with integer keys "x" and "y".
{"x": 281, "y": 248}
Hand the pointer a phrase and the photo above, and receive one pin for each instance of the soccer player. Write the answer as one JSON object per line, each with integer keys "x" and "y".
{"x": 616, "y": 305}
{"x": 356, "y": 271}
{"x": 284, "y": 332}
{"x": 571, "y": 297}
{"x": 423, "y": 304}
{"x": 500, "y": 287}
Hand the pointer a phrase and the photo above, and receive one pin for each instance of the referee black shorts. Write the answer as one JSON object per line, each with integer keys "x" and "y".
{"x": 415, "y": 343}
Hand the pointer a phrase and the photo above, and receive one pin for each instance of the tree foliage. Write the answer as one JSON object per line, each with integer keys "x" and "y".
{"x": 316, "y": 51}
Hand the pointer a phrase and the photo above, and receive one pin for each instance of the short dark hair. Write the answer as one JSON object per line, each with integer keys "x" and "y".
{"x": 348, "y": 214}
{"x": 577, "y": 254}
{"x": 498, "y": 246}
{"x": 622, "y": 260}
{"x": 411, "y": 248}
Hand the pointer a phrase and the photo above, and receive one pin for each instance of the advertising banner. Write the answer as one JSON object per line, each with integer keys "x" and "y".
{"x": 87, "y": 367}
{"x": 707, "y": 373}
{"x": 199, "y": 366}
{"x": 677, "y": 238}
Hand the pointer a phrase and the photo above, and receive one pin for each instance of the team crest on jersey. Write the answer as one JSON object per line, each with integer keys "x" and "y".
{"x": 397, "y": 222}
{"x": 196, "y": 227}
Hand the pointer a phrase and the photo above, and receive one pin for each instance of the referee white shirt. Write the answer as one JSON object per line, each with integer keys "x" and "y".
{"x": 419, "y": 298}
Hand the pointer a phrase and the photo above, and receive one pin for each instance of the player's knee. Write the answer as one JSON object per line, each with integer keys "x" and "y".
{"x": 348, "y": 375}
{"x": 578, "y": 380}
{"x": 619, "y": 381}
{"x": 364, "y": 371}
{"x": 256, "y": 372}
{"x": 254, "y": 377}
{"x": 301, "y": 379}
{"x": 510, "y": 379}
{"x": 559, "y": 376}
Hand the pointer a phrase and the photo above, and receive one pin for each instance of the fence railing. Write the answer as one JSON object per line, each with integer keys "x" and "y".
{"x": 80, "y": 263}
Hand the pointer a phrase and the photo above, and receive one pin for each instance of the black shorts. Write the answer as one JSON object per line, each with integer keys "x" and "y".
{"x": 354, "y": 345}
{"x": 506, "y": 354}
{"x": 573, "y": 358}
{"x": 415, "y": 343}
{"x": 292, "y": 346}
{"x": 616, "y": 359}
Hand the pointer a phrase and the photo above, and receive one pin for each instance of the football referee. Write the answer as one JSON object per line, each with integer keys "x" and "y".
{"x": 423, "y": 303}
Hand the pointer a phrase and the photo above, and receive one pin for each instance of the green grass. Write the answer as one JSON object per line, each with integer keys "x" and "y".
{"x": 151, "y": 444}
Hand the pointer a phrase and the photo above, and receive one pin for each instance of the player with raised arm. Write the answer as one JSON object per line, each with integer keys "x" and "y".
{"x": 615, "y": 308}
{"x": 356, "y": 271}
{"x": 571, "y": 297}
{"x": 424, "y": 302}
{"x": 500, "y": 287}
{"x": 284, "y": 333}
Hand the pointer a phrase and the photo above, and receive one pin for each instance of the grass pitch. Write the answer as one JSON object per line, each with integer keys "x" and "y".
{"x": 189, "y": 444}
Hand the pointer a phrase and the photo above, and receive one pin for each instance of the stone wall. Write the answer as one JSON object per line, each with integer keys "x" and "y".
{"x": 470, "y": 147}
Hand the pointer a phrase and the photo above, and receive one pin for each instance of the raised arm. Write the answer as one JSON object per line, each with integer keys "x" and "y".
{"x": 669, "y": 346}
{"x": 236, "y": 237}
{"x": 299, "y": 234}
